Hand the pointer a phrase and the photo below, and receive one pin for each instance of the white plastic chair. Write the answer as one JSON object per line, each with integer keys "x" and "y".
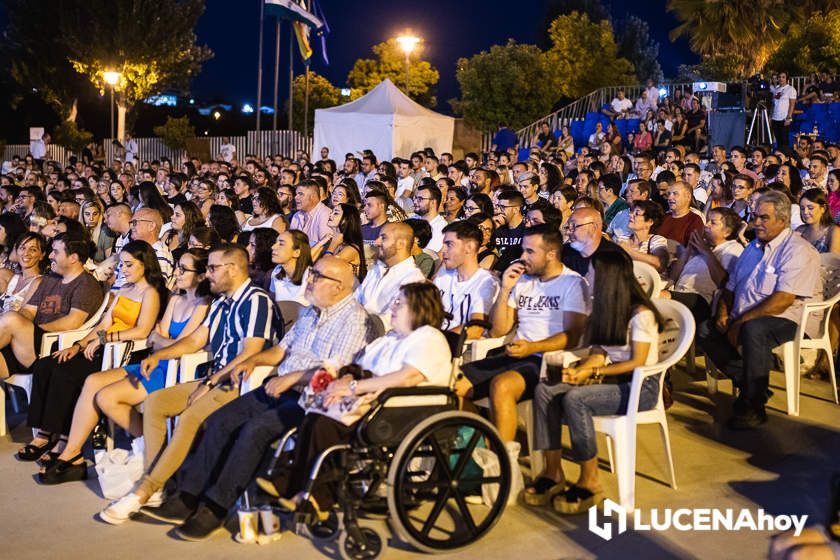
{"x": 830, "y": 270}
{"x": 648, "y": 278}
{"x": 674, "y": 340}
{"x": 112, "y": 357}
{"x": 64, "y": 340}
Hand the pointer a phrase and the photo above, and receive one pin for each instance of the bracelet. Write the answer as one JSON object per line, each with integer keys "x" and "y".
{"x": 208, "y": 383}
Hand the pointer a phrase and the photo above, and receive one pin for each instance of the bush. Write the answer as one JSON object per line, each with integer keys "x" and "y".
{"x": 176, "y": 132}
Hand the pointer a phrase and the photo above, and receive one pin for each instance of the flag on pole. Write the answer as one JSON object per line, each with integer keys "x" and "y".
{"x": 302, "y": 20}
{"x": 323, "y": 31}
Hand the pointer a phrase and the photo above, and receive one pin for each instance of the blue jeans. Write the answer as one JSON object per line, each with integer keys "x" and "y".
{"x": 575, "y": 405}
{"x": 749, "y": 370}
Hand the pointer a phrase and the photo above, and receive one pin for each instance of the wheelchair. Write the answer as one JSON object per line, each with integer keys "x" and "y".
{"x": 412, "y": 463}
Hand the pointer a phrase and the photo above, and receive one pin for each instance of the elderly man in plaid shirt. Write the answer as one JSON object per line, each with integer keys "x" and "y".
{"x": 237, "y": 436}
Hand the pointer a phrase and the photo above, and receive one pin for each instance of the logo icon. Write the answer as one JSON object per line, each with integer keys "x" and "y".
{"x": 605, "y": 531}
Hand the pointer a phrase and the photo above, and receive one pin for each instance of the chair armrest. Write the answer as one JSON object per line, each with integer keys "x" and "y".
{"x": 66, "y": 339}
{"x": 478, "y": 348}
{"x": 114, "y": 352}
{"x": 172, "y": 372}
{"x": 255, "y": 379}
{"x": 188, "y": 363}
{"x": 563, "y": 358}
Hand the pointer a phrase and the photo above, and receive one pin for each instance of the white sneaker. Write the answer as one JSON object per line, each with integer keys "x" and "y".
{"x": 155, "y": 500}
{"x": 120, "y": 510}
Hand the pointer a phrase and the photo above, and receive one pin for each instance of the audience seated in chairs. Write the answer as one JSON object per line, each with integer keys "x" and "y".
{"x": 240, "y": 324}
{"x": 622, "y": 334}
{"x": 58, "y": 379}
{"x": 760, "y": 307}
{"x": 330, "y": 332}
{"x": 545, "y": 305}
{"x": 115, "y": 392}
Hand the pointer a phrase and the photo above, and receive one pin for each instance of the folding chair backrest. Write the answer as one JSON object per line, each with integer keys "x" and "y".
{"x": 830, "y": 270}
{"x": 677, "y": 333}
{"x": 648, "y": 278}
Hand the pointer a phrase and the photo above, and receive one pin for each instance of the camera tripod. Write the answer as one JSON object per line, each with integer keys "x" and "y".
{"x": 760, "y": 114}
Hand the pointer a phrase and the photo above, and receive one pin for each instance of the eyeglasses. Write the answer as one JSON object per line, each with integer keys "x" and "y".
{"x": 179, "y": 268}
{"x": 315, "y": 275}
{"x": 574, "y": 227}
{"x": 135, "y": 221}
{"x": 212, "y": 268}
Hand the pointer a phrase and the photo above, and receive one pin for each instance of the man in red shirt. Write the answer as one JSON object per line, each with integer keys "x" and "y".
{"x": 680, "y": 222}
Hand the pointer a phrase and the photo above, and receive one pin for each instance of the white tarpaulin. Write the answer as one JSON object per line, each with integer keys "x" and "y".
{"x": 384, "y": 120}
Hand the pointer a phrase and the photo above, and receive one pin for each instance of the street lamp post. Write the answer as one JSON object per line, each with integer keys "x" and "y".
{"x": 407, "y": 42}
{"x": 112, "y": 79}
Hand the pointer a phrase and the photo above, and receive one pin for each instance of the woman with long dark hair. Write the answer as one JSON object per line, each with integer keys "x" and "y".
{"x": 186, "y": 217}
{"x": 488, "y": 253}
{"x": 346, "y": 192}
{"x": 118, "y": 193}
{"x": 91, "y": 216}
{"x": 267, "y": 212}
{"x": 57, "y": 380}
{"x": 259, "y": 243}
{"x": 293, "y": 258}
{"x": 818, "y": 227}
{"x": 789, "y": 176}
{"x": 344, "y": 240}
{"x": 222, "y": 219}
{"x": 115, "y": 392}
{"x": 622, "y": 334}
{"x": 150, "y": 197}
{"x": 478, "y": 203}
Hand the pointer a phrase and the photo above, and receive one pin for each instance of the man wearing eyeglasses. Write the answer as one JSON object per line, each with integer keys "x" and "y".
{"x": 510, "y": 227}
{"x": 583, "y": 240}
{"x": 240, "y": 324}
{"x": 427, "y": 199}
{"x": 145, "y": 225}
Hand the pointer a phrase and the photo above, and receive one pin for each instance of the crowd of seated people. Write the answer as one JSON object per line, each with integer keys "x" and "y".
{"x": 379, "y": 258}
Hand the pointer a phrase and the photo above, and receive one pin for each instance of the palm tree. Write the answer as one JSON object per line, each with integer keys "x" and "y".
{"x": 748, "y": 30}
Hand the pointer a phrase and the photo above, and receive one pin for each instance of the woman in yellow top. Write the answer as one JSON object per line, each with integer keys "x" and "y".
{"x": 58, "y": 379}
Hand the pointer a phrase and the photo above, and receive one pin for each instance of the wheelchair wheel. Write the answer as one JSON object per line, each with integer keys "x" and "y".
{"x": 372, "y": 549}
{"x": 434, "y": 472}
{"x": 325, "y": 531}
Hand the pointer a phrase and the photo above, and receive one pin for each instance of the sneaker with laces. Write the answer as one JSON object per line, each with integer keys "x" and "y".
{"x": 119, "y": 511}
{"x": 155, "y": 500}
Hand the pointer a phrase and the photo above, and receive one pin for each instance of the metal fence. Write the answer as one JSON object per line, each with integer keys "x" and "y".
{"x": 54, "y": 152}
{"x": 262, "y": 144}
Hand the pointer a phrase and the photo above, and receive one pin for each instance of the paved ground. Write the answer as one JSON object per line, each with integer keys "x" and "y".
{"x": 783, "y": 468}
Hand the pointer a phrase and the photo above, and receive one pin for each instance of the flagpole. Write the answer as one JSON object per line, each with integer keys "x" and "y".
{"x": 276, "y": 71}
{"x": 291, "y": 72}
{"x": 259, "y": 68}
{"x": 306, "y": 105}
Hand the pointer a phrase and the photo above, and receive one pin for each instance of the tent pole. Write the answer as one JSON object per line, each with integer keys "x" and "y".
{"x": 306, "y": 105}
{"x": 291, "y": 71}
{"x": 276, "y": 71}
{"x": 260, "y": 65}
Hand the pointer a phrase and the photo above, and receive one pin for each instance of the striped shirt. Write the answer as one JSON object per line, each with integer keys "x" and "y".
{"x": 249, "y": 313}
{"x": 333, "y": 334}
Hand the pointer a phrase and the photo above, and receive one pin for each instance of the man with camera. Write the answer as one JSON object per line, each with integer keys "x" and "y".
{"x": 784, "y": 99}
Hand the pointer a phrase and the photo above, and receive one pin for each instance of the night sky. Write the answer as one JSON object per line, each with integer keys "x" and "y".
{"x": 450, "y": 29}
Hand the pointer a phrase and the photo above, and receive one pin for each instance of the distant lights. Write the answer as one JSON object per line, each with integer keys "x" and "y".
{"x": 247, "y": 109}
{"x": 192, "y": 101}
{"x": 217, "y": 115}
{"x": 702, "y": 86}
{"x": 345, "y": 92}
{"x": 663, "y": 92}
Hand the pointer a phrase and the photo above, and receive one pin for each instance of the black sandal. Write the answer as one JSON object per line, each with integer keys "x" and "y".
{"x": 576, "y": 500}
{"x": 544, "y": 491}
{"x": 64, "y": 471}
{"x": 48, "y": 459}
{"x": 32, "y": 452}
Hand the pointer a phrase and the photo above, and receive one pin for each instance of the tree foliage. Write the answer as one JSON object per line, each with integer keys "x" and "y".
{"x": 176, "y": 132}
{"x": 595, "y": 9}
{"x": 584, "y": 56}
{"x": 508, "y": 84}
{"x": 737, "y": 38}
{"x": 36, "y": 56}
{"x": 389, "y": 63}
{"x": 811, "y": 46}
{"x": 152, "y": 43}
{"x": 636, "y": 45}
{"x": 69, "y": 135}
{"x": 321, "y": 94}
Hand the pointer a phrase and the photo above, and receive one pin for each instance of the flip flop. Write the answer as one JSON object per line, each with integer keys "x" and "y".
{"x": 544, "y": 491}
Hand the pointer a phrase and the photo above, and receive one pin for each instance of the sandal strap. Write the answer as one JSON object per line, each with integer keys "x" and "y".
{"x": 576, "y": 494}
{"x": 542, "y": 484}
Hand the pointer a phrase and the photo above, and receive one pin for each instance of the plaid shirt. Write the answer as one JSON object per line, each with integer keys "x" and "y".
{"x": 333, "y": 334}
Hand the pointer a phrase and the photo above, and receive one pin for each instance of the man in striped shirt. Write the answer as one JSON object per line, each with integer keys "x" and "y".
{"x": 241, "y": 323}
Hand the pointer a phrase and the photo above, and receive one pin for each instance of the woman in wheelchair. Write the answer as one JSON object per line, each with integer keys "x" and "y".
{"x": 622, "y": 334}
{"x": 115, "y": 392}
{"x": 413, "y": 353}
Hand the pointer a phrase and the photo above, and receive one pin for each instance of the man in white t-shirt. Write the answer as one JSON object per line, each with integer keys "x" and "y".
{"x": 620, "y": 106}
{"x": 467, "y": 290}
{"x": 547, "y": 304}
{"x": 394, "y": 268}
{"x": 405, "y": 185}
{"x": 784, "y": 98}
{"x": 130, "y": 149}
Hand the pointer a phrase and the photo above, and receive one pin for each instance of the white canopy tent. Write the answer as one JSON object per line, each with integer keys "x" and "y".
{"x": 384, "y": 120}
